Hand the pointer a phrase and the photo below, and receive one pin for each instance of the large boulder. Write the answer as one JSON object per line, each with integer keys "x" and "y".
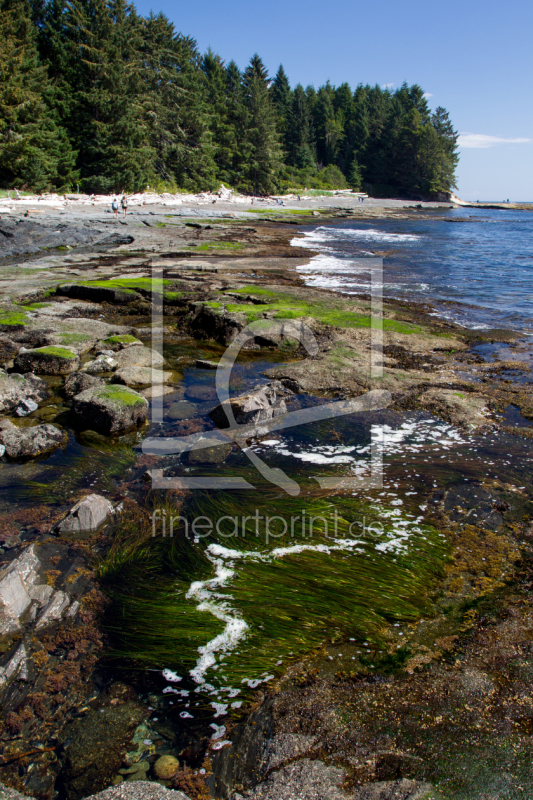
{"x": 103, "y": 363}
{"x": 50, "y": 360}
{"x": 110, "y": 409}
{"x": 15, "y": 388}
{"x": 80, "y": 381}
{"x": 249, "y": 409}
{"x": 30, "y": 442}
{"x": 87, "y": 515}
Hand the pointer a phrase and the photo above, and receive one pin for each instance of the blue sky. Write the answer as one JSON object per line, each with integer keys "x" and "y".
{"x": 475, "y": 58}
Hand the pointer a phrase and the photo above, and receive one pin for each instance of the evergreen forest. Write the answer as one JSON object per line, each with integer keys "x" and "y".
{"x": 94, "y": 96}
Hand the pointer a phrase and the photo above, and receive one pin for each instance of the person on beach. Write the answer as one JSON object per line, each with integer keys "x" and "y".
{"x": 124, "y": 204}
{"x": 114, "y": 206}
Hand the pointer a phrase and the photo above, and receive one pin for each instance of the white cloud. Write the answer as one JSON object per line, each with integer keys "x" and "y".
{"x": 427, "y": 95}
{"x": 482, "y": 140}
{"x": 387, "y": 86}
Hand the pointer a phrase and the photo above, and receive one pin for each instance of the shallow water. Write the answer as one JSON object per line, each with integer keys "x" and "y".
{"x": 475, "y": 266}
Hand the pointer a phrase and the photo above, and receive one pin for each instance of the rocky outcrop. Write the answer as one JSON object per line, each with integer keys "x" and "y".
{"x": 87, "y": 515}
{"x": 49, "y": 360}
{"x": 30, "y": 442}
{"x": 138, "y": 790}
{"x": 249, "y": 409}
{"x": 110, "y": 409}
{"x": 466, "y": 410}
{"x": 15, "y": 389}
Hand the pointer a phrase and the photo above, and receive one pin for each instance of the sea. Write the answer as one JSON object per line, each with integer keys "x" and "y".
{"x": 474, "y": 266}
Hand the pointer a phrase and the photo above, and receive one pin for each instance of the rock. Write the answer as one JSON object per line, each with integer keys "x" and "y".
{"x": 249, "y": 409}
{"x": 119, "y": 342}
{"x": 50, "y": 360}
{"x": 31, "y": 442}
{"x": 96, "y": 745}
{"x": 87, "y": 515}
{"x": 158, "y": 391}
{"x": 137, "y": 776}
{"x": 98, "y": 294}
{"x": 467, "y": 410}
{"x": 20, "y": 587}
{"x": 312, "y": 780}
{"x": 15, "y": 388}
{"x": 396, "y": 765}
{"x": 203, "y": 363}
{"x": 141, "y": 376}
{"x": 2, "y": 450}
{"x": 101, "y": 364}
{"x": 139, "y": 356}
{"x": 394, "y": 790}
{"x": 80, "y": 381}
{"x": 181, "y": 410}
{"x": 209, "y": 455}
{"x": 138, "y": 790}
{"x": 110, "y": 409}
{"x": 26, "y": 407}
{"x": 201, "y": 392}
{"x": 166, "y": 766}
{"x": 6, "y": 793}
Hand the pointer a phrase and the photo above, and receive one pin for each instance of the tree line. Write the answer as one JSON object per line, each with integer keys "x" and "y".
{"x": 96, "y": 96}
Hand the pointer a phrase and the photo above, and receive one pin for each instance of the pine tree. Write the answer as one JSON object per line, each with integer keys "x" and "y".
{"x": 327, "y": 126}
{"x": 280, "y": 92}
{"x": 34, "y": 151}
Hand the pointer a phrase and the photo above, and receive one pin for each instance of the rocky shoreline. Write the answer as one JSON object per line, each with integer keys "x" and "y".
{"x": 81, "y": 361}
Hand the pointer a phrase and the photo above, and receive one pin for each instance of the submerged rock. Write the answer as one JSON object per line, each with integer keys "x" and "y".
{"x": 110, "y": 409}
{"x": 30, "y": 442}
{"x": 465, "y": 409}
{"x": 87, "y": 515}
{"x": 50, "y": 360}
{"x": 15, "y": 389}
{"x": 166, "y": 766}
{"x": 249, "y": 409}
{"x": 25, "y": 407}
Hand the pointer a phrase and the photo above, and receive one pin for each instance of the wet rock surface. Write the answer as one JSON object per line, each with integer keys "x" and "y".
{"x": 87, "y": 515}
{"x": 23, "y": 236}
{"x": 30, "y": 442}
{"x": 258, "y": 406}
{"x": 16, "y": 389}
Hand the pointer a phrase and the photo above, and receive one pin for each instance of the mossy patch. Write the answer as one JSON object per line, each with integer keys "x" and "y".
{"x": 120, "y": 395}
{"x": 130, "y": 285}
{"x": 55, "y": 352}
{"x": 219, "y": 246}
{"x": 122, "y": 339}
{"x": 74, "y": 338}
{"x": 12, "y": 317}
{"x": 35, "y": 306}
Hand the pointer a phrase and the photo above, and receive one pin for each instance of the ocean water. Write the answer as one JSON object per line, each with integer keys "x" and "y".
{"x": 474, "y": 266}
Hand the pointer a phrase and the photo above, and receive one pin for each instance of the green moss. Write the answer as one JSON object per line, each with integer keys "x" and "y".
{"x": 129, "y": 285}
{"x": 74, "y": 338}
{"x": 35, "y": 306}
{"x": 170, "y": 296}
{"x": 121, "y": 339}
{"x": 288, "y": 306}
{"x": 12, "y": 317}
{"x": 220, "y": 246}
{"x": 459, "y": 394}
{"x": 120, "y": 395}
{"x": 56, "y": 352}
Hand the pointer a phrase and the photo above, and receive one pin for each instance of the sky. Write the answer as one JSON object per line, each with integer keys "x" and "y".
{"x": 474, "y": 58}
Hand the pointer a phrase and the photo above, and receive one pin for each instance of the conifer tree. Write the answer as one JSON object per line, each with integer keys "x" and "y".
{"x": 35, "y": 152}
{"x": 300, "y": 148}
{"x": 264, "y": 161}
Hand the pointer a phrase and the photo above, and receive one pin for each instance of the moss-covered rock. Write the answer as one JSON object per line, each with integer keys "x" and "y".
{"x": 50, "y": 360}
{"x": 110, "y": 409}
